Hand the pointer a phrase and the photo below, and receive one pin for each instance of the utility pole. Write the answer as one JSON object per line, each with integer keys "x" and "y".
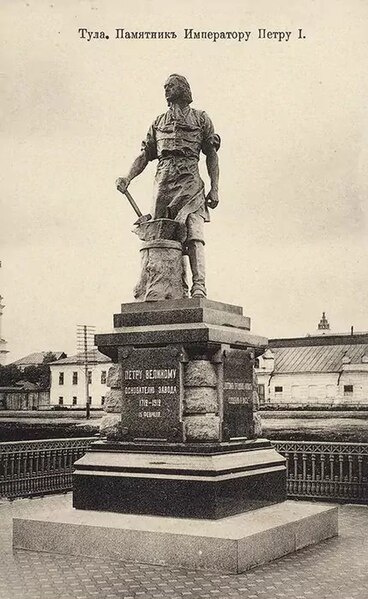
{"x": 86, "y": 354}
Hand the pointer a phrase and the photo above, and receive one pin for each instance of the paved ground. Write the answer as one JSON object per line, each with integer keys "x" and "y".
{"x": 334, "y": 569}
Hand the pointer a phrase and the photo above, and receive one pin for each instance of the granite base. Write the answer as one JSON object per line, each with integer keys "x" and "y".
{"x": 179, "y": 481}
{"x": 233, "y": 544}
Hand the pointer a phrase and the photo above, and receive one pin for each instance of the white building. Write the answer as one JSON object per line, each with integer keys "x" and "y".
{"x": 324, "y": 370}
{"x": 68, "y": 386}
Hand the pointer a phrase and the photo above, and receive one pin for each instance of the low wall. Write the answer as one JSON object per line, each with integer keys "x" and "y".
{"x": 323, "y": 471}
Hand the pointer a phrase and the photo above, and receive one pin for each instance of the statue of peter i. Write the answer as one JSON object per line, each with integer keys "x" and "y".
{"x": 176, "y": 139}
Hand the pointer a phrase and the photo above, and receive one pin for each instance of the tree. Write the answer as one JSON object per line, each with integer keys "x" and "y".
{"x": 49, "y": 357}
{"x": 33, "y": 373}
{"x": 9, "y": 375}
{"x": 45, "y": 375}
{"x": 39, "y": 375}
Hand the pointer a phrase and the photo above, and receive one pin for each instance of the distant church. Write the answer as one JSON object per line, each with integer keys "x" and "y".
{"x": 323, "y": 326}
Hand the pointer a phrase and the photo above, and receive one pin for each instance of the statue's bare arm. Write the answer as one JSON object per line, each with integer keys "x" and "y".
{"x": 212, "y": 164}
{"x": 136, "y": 169}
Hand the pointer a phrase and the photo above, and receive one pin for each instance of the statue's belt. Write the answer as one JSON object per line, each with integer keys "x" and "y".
{"x": 178, "y": 156}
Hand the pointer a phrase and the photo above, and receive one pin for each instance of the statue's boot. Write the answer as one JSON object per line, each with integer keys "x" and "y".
{"x": 197, "y": 265}
{"x": 185, "y": 276}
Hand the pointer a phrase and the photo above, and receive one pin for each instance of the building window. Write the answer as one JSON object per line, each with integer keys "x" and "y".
{"x": 75, "y": 400}
{"x": 61, "y": 401}
{"x": 61, "y": 378}
{"x": 103, "y": 377}
{"x": 256, "y": 363}
{"x": 75, "y": 378}
{"x": 90, "y": 377}
{"x": 348, "y": 389}
{"x": 278, "y": 389}
{"x": 102, "y": 400}
{"x": 261, "y": 393}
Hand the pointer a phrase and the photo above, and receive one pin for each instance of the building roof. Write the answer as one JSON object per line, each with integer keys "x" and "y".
{"x": 94, "y": 357}
{"x": 21, "y": 386}
{"x": 328, "y": 339}
{"x": 27, "y": 386}
{"x": 317, "y": 358}
{"x": 36, "y": 358}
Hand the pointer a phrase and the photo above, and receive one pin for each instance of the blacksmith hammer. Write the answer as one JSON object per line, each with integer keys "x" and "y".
{"x": 141, "y": 218}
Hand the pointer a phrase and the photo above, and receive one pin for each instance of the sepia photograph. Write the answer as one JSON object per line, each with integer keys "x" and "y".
{"x": 184, "y": 299}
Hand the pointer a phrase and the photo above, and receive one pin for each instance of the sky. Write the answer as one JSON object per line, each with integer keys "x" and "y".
{"x": 289, "y": 237}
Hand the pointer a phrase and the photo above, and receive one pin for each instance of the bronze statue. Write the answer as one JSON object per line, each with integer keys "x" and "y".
{"x": 176, "y": 139}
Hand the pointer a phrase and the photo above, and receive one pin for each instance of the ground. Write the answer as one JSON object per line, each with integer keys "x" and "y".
{"x": 345, "y": 427}
{"x": 333, "y": 569}
{"x": 319, "y": 425}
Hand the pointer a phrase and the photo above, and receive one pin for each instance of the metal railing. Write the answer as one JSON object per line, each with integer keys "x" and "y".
{"x": 329, "y": 471}
{"x": 29, "y": 468}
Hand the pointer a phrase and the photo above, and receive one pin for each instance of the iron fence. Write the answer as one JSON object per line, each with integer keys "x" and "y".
{"x": 29, "y": 468}
{"x": 315, "y": 470}
{"x": 331, "y": 471}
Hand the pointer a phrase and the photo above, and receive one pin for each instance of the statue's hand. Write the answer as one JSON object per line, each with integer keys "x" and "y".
{"x": 212, "y": 199}
{"x": 122, "y": 184}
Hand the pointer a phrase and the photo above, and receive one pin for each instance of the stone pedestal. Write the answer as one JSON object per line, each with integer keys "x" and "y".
{"x": 187, "y": 371}
{"x": 179, "y": 461}
{"x": 179, "y": 480}
{"x": 229, "y": 545}
{"x": 185, "y": 443}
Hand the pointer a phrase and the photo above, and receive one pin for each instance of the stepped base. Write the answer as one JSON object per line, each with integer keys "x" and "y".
{"x": 179, "y": 481}
{"x": 233, "y": 544}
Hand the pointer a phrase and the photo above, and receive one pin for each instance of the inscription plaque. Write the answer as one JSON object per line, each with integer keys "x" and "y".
{"x": 237, "y": 395}
{"x": 152, "y": 391}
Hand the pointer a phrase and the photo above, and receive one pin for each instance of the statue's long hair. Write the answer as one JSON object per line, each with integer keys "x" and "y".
{"x": 185, "y": 87}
